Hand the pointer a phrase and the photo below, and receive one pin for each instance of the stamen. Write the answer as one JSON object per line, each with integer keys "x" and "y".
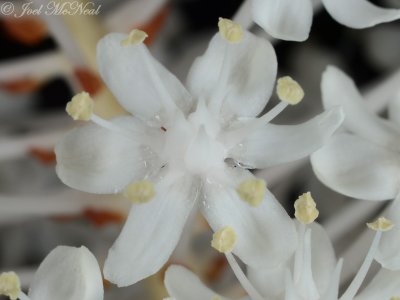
{"x": 224, "y": 239}
{"x": 288, "y": 90}
{"x": 395, "y": 298}
{"x": 244, "y": 282}
{"x": 135, "y": 37}
{"x": 140, "y": 192}
{"x": 80, "y": 107}
{"x": 10, "y": 285}
{"x": 306, "y": 209}
{"x": 381, "y": 224}
{"x": 252, "y": 191}
{"x": 230, "y": 31}
{"x": 216, "y": 297}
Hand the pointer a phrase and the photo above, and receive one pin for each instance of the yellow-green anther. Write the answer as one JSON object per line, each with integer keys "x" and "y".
{"x": 305, "y": 209}
{"x": 252, "y": 191}
{"x": 381, "y": 224}
{"x": 288, "y": 90}
{"x": 224, "y": 239}
{"x": 135, "y": 37}
{"x": 80, "y": 107}
{"x": 140, "y": 191}
{"x": 230, "y": 31}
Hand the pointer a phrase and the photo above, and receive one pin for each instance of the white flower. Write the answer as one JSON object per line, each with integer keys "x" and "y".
{"x": 180, "y": 149}
{"x": 292, "y": 19}
{"x": 67, "y": 273}
{"x": 363, "y": 162}
{"x": 312, "y": 274}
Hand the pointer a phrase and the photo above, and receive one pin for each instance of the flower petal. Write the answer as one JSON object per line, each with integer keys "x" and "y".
{"x": 339, "y": 89}
{"x": 97, "y": 160}
{"x": 359, "y": 13}
{"x": 151, "y": 232}
{"x": 357, "y": 168}
{"x": 68, "y": 273}
{"x": 284, "y": 19}
{"x": 269, "y": 281}
{"x": 394, "y": 109}
{"x": 182, "y": 284}
{"x": 266, "y": 236}
{"x": 239, "y": 76}
{"x": 139, "y": 82}
{"x": 384, "y": 285}
{"x": 323, "y": 257}
{"x": 275, "y": 144}
{"x": 388, "y": 254}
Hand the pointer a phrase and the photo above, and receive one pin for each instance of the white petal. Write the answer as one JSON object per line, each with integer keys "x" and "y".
{"x": 394, "y": 109}
{"x": 359, "y": 13}
{"x": 357, "y": 168}
{"x": 241, "y": 75}
{"x": 275, "y": 144}
{"x": 68, "y": 273}
{"x": 388, "y": 254}
{"x": 290, "y": 289}
{"x": 339, "y": 89}
{"x": 384, "y": 285}
{"x": 333, "y": 289}
{"x": 323, "y": 257}
{"x": 284, "y": 19}
{"x": 98, "y": 160}
{"x": 151, "y": 232}
{"x": 266, "y": 236}
{"x": 268, "y": 281}
{"x": 139, "y": 82}
{"x": 182, "y": 284}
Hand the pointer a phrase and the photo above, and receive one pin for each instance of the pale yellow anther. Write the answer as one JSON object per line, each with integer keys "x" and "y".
{"x": 252, "y": 191}
{"x": 381, "y": 224}
{"x": 224, "y": 239}
{"x": 80, "y": 107}
{"x": 140, "y": 191}
{"x": 306, "y": 209}
{"x": 10, "y": 285}
{"x": 216, "y": 297}
{"x": 288, "y": 90}
{"x": 230, "y": 31}
{"x": 135, "y": 37}
{"x": 395, "y": 298}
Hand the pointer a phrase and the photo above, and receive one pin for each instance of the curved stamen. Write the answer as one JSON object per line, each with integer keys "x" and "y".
{"x": 246, "y": 284}
{"x": 362, "y": 272}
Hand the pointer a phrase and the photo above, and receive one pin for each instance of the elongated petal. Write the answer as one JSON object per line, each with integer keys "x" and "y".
{"x": 394, "y": 109}
{"x": 182, "y": 284}
{"x": 385, "y": 285}
{"x": 268, "y": 281}
{"x": 139, "y": 82}
{"x": 359, "y": 13}
{"x": 357, "y": 168}
{"x": 239, "y": 76}
{"x": 97, "y": 160}
{"x": 339, "y": 89}
{"x": 275, "y": 144}
{"x": 68, "y": 273}
{"x": 151, "y": 232}
{"x": 284, "y": 19}
{"x": 388, "y": 254}
{"x": 266, "y": 236}
{"x": 323, "y": 258}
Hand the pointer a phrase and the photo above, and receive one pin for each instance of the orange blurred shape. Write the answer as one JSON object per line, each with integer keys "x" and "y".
{"x": 20, "y": 86}
{"x": 155, "y": 24}
{"x": 45, "y": 156}
{"x": 102, "y": 217}
{"x": 216, "y": 268}
{"x": 29, "y": 31}
{"x": 89, "y": 81}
